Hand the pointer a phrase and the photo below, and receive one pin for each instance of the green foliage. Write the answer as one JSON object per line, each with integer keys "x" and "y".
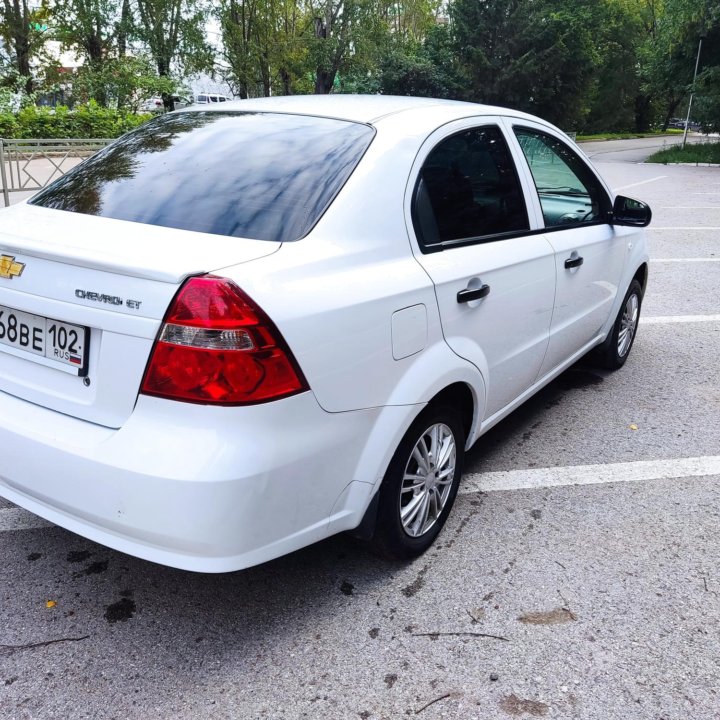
{"x": 88, "y": 25}
{"x": 348, "y": 38}
{"x": 123, "y": 82}
{"x": 263, "y": 46}
{"x": 8, "y": 124}
{"x": 587, "y": 65}
{"x": 625, "y": 135}
{"x": 707, "y": 106}
{"x": 430, "y": 71}
{"x": 614, "y": 96}
{"x": 539, "y": 56}
{"x": 692, "y": 153}
{"x": 173, "y": 32}
{"x": 86, "y": 121}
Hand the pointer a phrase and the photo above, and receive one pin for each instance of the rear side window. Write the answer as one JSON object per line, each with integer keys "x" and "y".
{"x": 202, "y": 98}
{"x": 468, "y": 189}
{"x": 262, "y": 176}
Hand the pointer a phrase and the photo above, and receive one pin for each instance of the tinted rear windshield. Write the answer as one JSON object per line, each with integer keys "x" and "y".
{"x": 263, "y": 176}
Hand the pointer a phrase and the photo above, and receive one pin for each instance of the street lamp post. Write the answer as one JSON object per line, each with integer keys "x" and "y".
{"x": 692, "y": 92}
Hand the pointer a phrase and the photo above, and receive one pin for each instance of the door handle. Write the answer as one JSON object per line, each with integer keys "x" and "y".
{"x": 475, "y": 294}
{"x": 573, "y": 262}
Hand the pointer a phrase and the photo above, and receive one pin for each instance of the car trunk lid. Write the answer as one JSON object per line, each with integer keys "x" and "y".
{"x": 110, "y": 281}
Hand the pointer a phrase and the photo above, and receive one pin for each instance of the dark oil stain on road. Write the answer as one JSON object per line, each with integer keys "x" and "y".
{"x": 347, "y": 588}
{"x": 416, "y": 584}
{"x": 34, "y": 556}
{"x": 76, "y": 556}
{"x": 390, "y": 680}
{"x": 120, "y": 611}
{"x": 92, "y": 569}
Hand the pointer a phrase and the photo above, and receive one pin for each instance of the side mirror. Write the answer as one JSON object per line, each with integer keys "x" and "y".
{"x": 627, "y": 211}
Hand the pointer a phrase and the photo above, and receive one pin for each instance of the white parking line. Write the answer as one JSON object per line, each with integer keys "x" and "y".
{"x": 689, "y": 227}
{"x": 669, "y": 319}
{"x": 643, "y": 182}
{"x": 18, "y": 519}
{"x": 641, "y": 470}
{"x": 684, "y": 260}
{"x": 691, "y": 207}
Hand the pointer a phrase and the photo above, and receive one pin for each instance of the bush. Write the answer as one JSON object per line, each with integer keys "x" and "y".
{"x": 8, "y": 125}
{"x": 84, "y": 122}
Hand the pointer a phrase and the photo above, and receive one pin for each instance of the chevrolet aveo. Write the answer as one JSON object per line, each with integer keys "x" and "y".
{"x": 238, "y": 330}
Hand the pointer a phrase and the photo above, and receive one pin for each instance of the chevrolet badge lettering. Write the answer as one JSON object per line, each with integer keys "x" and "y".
{"x": 107, "y": 299}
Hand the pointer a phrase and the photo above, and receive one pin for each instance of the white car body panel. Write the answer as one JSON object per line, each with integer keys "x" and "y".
{"x": 372, "y": 321}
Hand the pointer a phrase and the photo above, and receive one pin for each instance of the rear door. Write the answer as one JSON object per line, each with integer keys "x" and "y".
{"x": 494, "y": 279}
{"x": 589, "y": 252}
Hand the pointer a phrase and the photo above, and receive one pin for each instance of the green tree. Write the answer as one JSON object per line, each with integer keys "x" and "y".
{"x": 347, "y": 38}
{"x": 537, "y": 55}
{"x": 431, "y": 70}
{"x": 90, "y": 26}
{"x": 125, "y": 81}
{"x": 173, "y": 32}
{"x": 263, "y": 45}
{"x": 23, "y": 31}
{"x": 668, "y": 58}
{"x": 614, "y": 97}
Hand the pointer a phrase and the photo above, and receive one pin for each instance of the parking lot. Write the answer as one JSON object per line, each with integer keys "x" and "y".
{"x": 577, "y": 577}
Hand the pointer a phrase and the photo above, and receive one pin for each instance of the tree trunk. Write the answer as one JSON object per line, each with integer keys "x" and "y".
{"x": 122, "y": 31}
{"x": 323, "y": 79}
{"x": 672, "y": 106}
{"x": 324, "y": 82}
{"x": 286, "y": 81}
{"x": 642, "y": 113}
{"x": 164, "y": 71}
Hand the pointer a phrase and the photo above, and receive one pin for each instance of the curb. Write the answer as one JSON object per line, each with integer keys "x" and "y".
{"x": 695, "y": 164}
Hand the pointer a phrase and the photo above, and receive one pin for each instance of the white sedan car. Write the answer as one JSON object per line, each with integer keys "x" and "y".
{"x": 240, "y": 329}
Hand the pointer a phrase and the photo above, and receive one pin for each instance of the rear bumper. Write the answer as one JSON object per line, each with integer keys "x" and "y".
{"x": 205, "y": 489}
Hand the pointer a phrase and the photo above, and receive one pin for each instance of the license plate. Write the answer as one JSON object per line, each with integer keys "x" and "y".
{"x": 40, "y": 336}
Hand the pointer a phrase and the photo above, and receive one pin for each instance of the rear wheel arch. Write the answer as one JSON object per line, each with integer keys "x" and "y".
{"x": 459, "y": 395}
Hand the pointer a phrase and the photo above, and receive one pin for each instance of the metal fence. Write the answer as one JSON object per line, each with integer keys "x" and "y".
{"x": 28, "y": 165}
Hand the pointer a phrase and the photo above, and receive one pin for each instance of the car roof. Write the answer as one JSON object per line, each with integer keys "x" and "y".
{"x": 356, "y": 108}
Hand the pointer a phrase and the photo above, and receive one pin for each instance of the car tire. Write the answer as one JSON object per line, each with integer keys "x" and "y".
{"x": 613, "y": 353}
{"x": 411, "y": 512}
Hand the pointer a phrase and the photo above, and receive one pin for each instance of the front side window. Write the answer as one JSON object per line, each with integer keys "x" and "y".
{"x": 263, "y": 176}
{"x": 468, "y": 189}
{"x": 569, "y": 192}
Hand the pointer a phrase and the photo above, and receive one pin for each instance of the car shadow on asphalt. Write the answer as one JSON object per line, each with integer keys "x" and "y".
{"x": 211, "y": 616}
{"x": 580, "y": 377}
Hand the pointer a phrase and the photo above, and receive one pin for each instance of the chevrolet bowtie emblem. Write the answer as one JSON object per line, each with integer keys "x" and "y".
{"x": 9, "y": 268}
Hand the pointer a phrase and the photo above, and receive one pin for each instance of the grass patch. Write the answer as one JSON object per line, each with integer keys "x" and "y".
{"x": 628, "y": 135}
{"x": 695, "y": 153}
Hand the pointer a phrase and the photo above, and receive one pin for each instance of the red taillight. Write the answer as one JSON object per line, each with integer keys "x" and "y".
{"x": 216, "y": 346}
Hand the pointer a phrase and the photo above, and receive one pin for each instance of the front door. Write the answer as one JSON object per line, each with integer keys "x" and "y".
{"x": 589, "y": 252}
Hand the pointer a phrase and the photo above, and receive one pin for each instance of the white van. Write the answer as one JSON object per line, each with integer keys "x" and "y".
{"x": 208, "y": 98}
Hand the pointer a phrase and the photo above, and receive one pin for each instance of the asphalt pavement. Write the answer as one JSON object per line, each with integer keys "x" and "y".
{"x": 577, "y": 577}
